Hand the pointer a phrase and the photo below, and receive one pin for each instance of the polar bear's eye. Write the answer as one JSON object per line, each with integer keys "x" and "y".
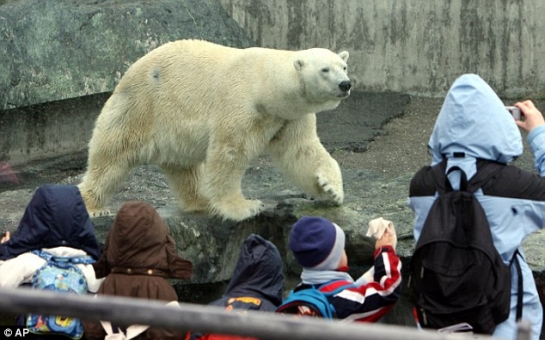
{"x": 325, "y": 70}
{"x": 344, "y": 68}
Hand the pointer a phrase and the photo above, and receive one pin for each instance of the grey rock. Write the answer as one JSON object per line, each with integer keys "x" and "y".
{"x": 57, "y": 49}
{"x": 3, "y": 2}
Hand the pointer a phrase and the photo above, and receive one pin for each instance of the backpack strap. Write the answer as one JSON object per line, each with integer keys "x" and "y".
{"x": 486, "y": 171}
{"x": 442, "y": 183}
{"x": 515, "y": 260}
{"x": 63, "y": 259}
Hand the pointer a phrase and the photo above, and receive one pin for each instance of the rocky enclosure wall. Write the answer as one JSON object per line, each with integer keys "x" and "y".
{"x": 53, "y": 50}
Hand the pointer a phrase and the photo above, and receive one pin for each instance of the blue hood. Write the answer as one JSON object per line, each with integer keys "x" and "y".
{"x": 473, "y": 121}
{"x": 55, "y": 217}
{"x": 258, "y": 271}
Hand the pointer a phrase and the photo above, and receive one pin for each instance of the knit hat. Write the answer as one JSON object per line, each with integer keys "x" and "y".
{"x": 317, "y": 243}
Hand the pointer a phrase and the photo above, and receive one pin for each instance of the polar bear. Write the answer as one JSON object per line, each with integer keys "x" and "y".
{"x": 202, "y": 112}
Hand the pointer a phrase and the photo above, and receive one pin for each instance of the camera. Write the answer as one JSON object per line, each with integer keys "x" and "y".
{"x": 514, "y": 111}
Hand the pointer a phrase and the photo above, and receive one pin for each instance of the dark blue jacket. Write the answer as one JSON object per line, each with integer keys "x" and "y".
{"x": 257, "y": 282}
{"x": 258, "y": 274}
{"x": 55, "y": 217}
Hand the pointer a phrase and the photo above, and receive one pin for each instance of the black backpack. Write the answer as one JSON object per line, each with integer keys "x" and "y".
{"x": 456, "y": 274}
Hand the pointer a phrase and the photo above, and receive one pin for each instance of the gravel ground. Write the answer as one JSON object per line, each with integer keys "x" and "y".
{"x": 402, "y": 147}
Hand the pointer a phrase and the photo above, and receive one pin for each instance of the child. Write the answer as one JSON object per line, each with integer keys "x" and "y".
{"x": 474, "y": 130}
{"x": 55, "y": 224}
{"x": 139, "y": 257}
{"x": 257, "y": 282}
{"x": 318, "y": 246}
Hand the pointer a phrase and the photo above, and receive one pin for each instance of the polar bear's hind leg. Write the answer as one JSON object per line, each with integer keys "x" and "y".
{"x": 184, "y": 181}
{"x": 100, "y": 182}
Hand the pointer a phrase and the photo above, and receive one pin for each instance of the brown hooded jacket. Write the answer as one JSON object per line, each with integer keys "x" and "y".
{"x": 138, "y": 258}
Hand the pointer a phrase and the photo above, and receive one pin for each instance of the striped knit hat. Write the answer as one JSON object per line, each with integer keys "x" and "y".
{"x": 317, "y": 243}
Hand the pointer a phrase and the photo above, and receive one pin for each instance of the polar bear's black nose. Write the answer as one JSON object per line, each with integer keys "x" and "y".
{"x": 345, "y": 85}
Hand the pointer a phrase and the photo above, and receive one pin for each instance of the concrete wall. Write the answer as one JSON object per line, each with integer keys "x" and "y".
{"x": 412, "y": 46}
{"x": 48, "y": 130}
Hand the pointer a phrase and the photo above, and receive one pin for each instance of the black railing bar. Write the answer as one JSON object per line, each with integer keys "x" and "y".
{"x": 266, "y": 326}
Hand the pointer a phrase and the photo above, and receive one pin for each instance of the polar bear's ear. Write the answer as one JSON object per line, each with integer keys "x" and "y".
{"x": 344, "y": 55}
{"x": 298, "y": 63}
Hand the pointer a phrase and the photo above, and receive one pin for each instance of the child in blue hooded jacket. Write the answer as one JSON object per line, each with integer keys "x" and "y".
{"x": 55, "y": 221}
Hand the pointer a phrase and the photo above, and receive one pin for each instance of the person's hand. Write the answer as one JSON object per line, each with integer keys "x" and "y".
{"x": 387, "y": 239}
{"x": 383, "y": 231}
{"x": 6, "y": 237}
{"x": 532, "y": 116}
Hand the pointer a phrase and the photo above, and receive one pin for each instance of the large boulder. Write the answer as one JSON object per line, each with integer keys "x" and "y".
{"x": 54, "y": 50}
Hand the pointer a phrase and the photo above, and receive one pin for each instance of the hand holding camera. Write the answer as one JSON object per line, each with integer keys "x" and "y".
{"x": 514, "y": 111}
{"x": 532, "y": 116}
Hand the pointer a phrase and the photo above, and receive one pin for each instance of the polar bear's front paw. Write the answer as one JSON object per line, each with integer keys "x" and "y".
{"x": 330, "y": 190}
{"x": 239, "y": 210}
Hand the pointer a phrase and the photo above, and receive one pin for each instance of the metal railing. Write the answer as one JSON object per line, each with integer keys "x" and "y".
{"x": 210, "y": 319}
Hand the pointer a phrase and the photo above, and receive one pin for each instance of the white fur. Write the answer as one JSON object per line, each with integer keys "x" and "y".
{"x": 203, "y": 112}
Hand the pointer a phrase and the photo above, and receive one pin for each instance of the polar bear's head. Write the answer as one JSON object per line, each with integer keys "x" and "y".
{"x": 323, "y": 75}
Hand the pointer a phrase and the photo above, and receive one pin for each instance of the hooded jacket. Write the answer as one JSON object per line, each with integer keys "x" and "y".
{"x": 55, "y": 217}
{"x": 257, "y": 282}
{"x": 258, "y": 274}
{"x": 56, "y": 221}
{"x": 139, "y": 257}
{"x": 473, "y": 127}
